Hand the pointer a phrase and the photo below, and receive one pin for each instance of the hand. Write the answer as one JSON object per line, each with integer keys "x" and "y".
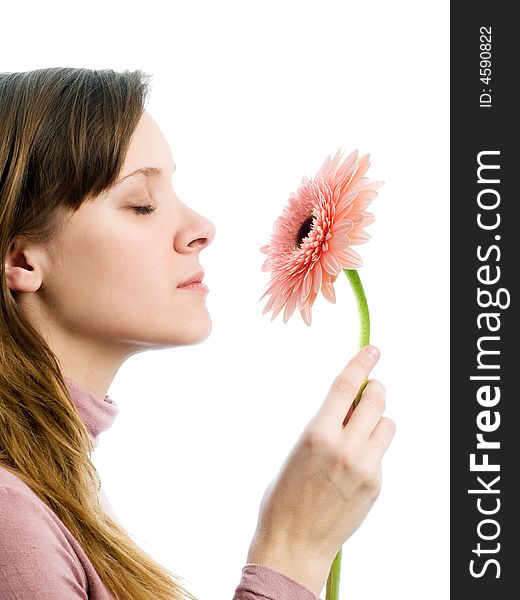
{"x": 329, "y": 481}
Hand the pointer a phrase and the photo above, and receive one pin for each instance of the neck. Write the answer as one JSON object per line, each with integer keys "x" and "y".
{"x": 91, "y": 362}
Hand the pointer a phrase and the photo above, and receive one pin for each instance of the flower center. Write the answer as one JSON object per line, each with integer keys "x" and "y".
{"x": 304, "y": 231}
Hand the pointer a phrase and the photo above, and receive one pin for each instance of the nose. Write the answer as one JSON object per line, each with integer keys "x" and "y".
{"x": 197, "y": 234}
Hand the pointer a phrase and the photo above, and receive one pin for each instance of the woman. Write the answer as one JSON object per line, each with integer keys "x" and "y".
{"x": 96, "y": 249}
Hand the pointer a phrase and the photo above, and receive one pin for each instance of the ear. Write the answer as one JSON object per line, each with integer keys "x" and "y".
{"x": 23, "y": 267}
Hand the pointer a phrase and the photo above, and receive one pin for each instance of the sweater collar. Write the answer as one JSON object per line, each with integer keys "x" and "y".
{"x": 97, "y": 415}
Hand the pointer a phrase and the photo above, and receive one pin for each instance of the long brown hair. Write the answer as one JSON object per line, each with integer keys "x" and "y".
{"x": 64, "y": 134}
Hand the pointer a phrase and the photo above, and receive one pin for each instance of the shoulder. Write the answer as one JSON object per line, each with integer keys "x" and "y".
{"x": 35, "y": 553}
{"x": 10, "y": 481}
{"x": 21, "y": 509}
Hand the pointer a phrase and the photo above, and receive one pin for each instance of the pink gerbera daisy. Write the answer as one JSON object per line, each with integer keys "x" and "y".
{"x": 312, "y": 240}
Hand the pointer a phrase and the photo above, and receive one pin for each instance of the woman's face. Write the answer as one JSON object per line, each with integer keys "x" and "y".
{"x": 117, "y": 269}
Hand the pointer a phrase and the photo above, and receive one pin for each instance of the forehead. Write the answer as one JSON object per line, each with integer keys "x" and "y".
{"x": 148, "y": 147}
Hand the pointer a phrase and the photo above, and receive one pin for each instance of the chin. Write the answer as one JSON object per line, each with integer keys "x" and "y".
{"x": 182, "y": 332}
{"x": 198, "y": 333}
{"x": 193, "y": 332}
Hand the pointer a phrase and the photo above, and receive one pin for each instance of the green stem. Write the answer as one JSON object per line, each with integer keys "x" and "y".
{"x": 364, "y": 316}
{"x": 332, "y": 590}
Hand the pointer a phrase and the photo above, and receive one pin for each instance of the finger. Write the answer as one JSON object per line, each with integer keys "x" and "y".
{"x": 367, "y": 414}
{"x": 380, "y": 439}
{"x": 345, "y": 387}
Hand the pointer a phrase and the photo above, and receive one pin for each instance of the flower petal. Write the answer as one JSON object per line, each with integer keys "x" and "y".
{"x": 363, "y": 200}
{"x": 349, "y": 258}
{"x": 330, "y": 262}
{"x": 316, "y": 284}
{"x": 360, "y": 205}
{"x": 339, "y": 242}
{"x": 362, "y": 168}
{"x": 346, "y": 168}
{"x": 276, "y": 312}
{"x": 359, "y": 236}
{"x": 306, "y": 314}
{"x": 270, "y": 303}
{"x": 328, "y": 291}
{"x": 305, "y": 310}
{"x": 368, "y": 218}
{"x": 342, "y": 226}
{"x": 266, "y": 264}
{"x": 272, "y": 288}
{"x": 306, "y": 286}
{"x": 357, "y": 219}
{"x": 374, "y": 185}
{"x": 290, "y": 307}
{"x": 367, "y": 194}
{"x": 345, "y": 201}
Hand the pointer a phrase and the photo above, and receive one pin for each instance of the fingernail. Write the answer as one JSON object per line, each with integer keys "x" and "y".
{"x": 372, "y": 351}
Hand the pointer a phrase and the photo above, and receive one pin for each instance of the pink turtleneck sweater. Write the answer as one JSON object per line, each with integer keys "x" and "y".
{"x": 40, "y": 559}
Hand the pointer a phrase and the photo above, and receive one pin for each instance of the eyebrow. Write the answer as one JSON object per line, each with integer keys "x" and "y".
{"x": 146, "y": 171}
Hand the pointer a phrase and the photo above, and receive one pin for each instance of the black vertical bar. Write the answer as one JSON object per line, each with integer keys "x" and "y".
{"x": 484, "y": 272}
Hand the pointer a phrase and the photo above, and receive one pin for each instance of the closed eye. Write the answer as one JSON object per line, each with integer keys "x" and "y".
{"x": 144, "y": 210}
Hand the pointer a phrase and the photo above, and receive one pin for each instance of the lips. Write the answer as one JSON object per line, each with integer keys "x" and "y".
{"x": 195, "y": 278}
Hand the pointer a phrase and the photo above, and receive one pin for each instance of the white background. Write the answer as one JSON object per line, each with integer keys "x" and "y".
{"x": 252, "y": 96}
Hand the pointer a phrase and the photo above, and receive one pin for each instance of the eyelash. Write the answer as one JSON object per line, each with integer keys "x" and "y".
{"x": 149, "y": 208}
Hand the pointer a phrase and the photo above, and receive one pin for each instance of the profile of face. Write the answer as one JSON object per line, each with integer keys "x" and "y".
{"x": 111, "y": 277}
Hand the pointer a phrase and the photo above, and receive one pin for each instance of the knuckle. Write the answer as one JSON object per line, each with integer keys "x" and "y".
{"x": 389, "y": 426}
{"x": 376, "y": 394}
{"x": 379, "y": 402}
{"x": 375, "y": 490}
{"x": 379, "y": 385}
{"x": 347, "y": 459}
{"x": 364, "y": 361}
{"x": 315, "y": 439}
{"x": 343, "y": 385}
{"x": 369, "y": 480}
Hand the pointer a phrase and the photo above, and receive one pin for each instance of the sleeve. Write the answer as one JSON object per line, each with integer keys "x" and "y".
{"x": 259, "y": 582}
{"x": 35, "y": 558}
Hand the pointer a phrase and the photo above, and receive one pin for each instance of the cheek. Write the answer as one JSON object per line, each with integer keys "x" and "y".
{"x": 94, "y": 267}
{"x": 120, "y": 274}
{"x": 115, "y": 297}
{"x": 111, "y": 256}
